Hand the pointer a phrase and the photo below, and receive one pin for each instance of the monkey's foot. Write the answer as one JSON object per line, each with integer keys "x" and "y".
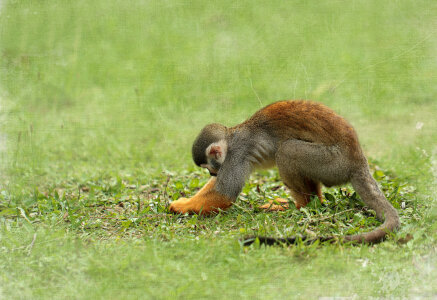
{"x": 203, "y": 205}
{"x": 302, "y": 202}
{"x": 278, "y": 204}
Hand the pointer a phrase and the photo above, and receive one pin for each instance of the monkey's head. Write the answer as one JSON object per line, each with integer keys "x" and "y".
{"x": 209, "y": 148}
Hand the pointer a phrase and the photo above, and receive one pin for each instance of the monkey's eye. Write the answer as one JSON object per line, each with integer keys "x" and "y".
{"x": 212, "y": 171}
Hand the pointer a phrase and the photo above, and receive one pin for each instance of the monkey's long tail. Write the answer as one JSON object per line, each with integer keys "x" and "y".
{"x": 364, "y": 184}
{"x": 264, "y": 240}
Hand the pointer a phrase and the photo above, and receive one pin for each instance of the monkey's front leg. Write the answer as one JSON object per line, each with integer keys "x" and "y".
{"x": 206, "y": 201}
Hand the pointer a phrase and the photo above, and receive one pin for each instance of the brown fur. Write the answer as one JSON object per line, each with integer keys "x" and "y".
{"x": 307, "y": 121}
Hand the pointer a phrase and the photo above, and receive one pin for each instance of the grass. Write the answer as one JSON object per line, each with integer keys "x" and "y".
{"x": 100, "y": 104}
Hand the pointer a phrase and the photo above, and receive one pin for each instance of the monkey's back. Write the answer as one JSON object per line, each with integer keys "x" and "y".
{"x": 307, "y": 121}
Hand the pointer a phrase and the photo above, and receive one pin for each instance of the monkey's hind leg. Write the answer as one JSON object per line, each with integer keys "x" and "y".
{"x": 301, "y": 189}
{"x": 303, "y": 166}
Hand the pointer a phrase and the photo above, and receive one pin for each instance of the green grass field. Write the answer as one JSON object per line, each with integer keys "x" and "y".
{"x": 101, "y": 100}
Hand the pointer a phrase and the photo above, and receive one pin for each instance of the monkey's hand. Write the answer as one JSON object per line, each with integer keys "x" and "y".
{"x": 205, "y": 202}
{"x": 275, "y": 205}
{"x": 280, "y": 204}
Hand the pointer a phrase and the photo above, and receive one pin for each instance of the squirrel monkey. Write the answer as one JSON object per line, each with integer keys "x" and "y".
{"x": 308, "y": 142}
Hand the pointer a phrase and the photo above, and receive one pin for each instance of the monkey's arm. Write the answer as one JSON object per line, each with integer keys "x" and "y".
{"x": 220, "y": 192}
{"x": 205, "y": 202}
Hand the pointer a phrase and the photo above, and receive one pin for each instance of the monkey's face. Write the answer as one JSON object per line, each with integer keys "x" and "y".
{"x": 213, "y": 166}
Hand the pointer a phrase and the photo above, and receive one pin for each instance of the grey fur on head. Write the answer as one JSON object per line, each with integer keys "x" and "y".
{"x": 211, "y": 133}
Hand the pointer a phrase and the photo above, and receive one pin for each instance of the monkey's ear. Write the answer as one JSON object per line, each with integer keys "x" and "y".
{"x": 215, "y": 151}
